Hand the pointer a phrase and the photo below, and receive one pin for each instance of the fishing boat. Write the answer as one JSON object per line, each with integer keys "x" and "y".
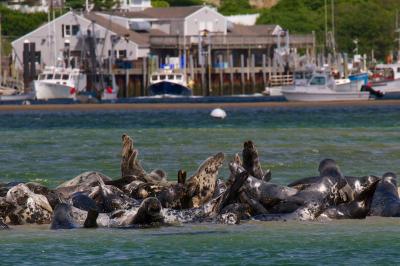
{"x": 323, "y": 87}
{"x": 168, "y": 82}
{"x": 386, "y": 78}
{"x": 108, "y": 87}
{"x": 59, "y": 83}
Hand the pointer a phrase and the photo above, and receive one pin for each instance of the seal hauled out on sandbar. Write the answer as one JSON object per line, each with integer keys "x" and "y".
{"x": 201, "y": 186}
{"x": 29, "y": 207}
{"x": 386, "y": 200}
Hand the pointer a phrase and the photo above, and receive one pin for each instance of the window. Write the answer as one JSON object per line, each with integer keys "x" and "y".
{"x": 57, "y": 76}
{"x": 37, "y": 57}
{"x": 178, "y": 77}
{"x": 318, "y": 81}
{"x": 49, "y": 76}
{"x": 122, "y": 54}
{"x": 162, "y": 77}
{"x": 67, "y": 30}
{"x": 170, "y": 77}
{"x": 65, "y": 77}
{"x": 154, "y": 77}
{"x": 42, "y": 76}
{"x": 398, "y": 70}
{"x": 75, "y": 30}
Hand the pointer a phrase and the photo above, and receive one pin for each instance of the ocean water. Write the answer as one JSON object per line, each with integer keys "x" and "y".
{"x": 51, "y": 147}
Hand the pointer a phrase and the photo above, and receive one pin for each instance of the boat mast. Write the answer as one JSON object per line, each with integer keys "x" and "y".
{"x": 54, "y": 34}
{"x": 398, "y": 38}
{"x": 1, "y": 54}
{"x": 326, "y": 25}
{"x": 333, "y": 27}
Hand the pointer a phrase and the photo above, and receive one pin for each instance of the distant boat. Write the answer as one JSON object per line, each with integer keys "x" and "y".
{"x": 168, "y": 82}
{"x": 17, "y": 97}
{"x": 386, "y": 78}
{"x": 59, "y": 83}
{"x": 107, "y": 85}
{"x": 323, "y": 87}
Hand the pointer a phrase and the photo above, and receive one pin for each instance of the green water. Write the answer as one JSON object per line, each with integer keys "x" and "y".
{"x": 53, "y": 147}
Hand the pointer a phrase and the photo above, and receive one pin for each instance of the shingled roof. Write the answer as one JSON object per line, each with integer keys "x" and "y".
{"x": 141, "y": 39}
{"x": 161, "y": 13}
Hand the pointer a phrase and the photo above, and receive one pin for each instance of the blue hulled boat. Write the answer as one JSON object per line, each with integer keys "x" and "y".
{"x": 168, "y": 82}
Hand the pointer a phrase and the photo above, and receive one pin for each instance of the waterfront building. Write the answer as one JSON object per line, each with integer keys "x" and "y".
{"x": 211, "y": 49}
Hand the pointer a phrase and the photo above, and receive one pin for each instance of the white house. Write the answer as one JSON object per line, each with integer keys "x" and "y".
{"x": 68, "y": 33}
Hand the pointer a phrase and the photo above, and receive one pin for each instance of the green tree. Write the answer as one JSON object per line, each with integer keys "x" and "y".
{"x": 232, "y": 7}
{"x": 159, "y": 3}
{"x": 75, "y": 4}
{"x": 104, "y": 4}
{"x": 184, "y": 2}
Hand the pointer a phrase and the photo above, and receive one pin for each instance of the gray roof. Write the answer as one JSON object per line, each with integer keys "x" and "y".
{"x": 252, "y": 30}
{"x": 160, "y": 13}
{"x": 141, "y": 39}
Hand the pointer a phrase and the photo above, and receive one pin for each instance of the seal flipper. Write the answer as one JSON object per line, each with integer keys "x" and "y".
{"x": 129, "y": 164}
{"x": 83, "y": 202}
{"x": 251, "y": 161}
{"x": 91, "y": 219}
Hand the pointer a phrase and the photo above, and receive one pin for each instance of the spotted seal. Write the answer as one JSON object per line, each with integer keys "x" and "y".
{"x": 29, "y": 207}
{"x": 386, "y": 200}
{"x": 201, "y": 186}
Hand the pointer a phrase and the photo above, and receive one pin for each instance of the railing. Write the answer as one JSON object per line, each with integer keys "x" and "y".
{"x": 280, "y": 80}
{"x": 228, "y": 40}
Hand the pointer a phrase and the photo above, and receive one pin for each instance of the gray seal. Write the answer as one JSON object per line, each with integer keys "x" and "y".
{"x": 386, "y": 200}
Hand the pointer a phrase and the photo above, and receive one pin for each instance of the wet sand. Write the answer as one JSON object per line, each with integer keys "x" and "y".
{"x": 175, "y": 106}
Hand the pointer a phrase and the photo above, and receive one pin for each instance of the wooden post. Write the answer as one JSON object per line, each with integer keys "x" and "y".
{"x": 209, "y": 63}
{"x": 253, "y": 71}
{"x": 126, "y": 82}
{"x": 144, "y": 84}
{"x": 221, "y": 75}
{"x": 264, "y": 58}
{"x": 231, "y": 73}
{"x": 242, "y": 71}
{"x": 191, "y": 63}
{"x": 269, "y": 68}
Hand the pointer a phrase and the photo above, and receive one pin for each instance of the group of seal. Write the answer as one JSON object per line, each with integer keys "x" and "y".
{"x": 142, "y": 199}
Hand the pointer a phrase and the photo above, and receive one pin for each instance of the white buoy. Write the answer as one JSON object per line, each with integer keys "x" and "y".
{"x": 218, "y": 113}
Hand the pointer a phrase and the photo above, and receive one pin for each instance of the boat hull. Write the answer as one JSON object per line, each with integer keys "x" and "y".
{"x": 168, "y": 88}
{"x": 387, "y": 87}
{"x": 324, "y": 97}
{"x": 45, "y": 91}
{"x": 17, "y": 97}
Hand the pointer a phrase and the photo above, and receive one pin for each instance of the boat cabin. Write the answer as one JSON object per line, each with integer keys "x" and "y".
{"x": 170, "y": 77}
{"x": 386, "y": 72}
{"x": 64, "y": 76}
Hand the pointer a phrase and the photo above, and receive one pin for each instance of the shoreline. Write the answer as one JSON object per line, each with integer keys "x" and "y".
{"x": 191, "y": 106}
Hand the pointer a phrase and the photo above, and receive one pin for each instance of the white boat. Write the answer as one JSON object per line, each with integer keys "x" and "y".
{"x": 168, "y": 82}
{"x": 386, "y": 78}
{"x": 281, "y": 82}
{"x": 17, "y": 97}
{"x": 106, "y": 83}
{"x": 323, "y": 87}
{"x": 59, "y": 83}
